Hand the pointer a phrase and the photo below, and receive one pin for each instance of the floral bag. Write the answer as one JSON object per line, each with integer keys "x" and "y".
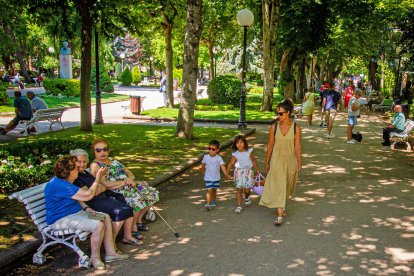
{"x": 259, "y": 181}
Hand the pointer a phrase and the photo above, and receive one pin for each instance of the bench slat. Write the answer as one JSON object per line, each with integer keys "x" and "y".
{"x": 38, "y": 215}
{"x": 28, "y": 192}
{"x": 37, "y": 209}
{"x": 33, "y": 198}
{"x": 35, "y": 204}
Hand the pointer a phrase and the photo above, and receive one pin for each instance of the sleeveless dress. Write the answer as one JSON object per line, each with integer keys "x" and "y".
{"x": 309, "y": 105}
{"x": 133, "y": 198}
{"x": 281, "y": 180}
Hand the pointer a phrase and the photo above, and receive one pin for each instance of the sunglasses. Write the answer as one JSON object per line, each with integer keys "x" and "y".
{"x": 105, "y": 149}
{"x": 212, "y": 149}
{"x": 280, "y": 113}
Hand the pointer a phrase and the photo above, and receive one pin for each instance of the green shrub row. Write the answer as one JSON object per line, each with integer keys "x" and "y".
{"x": 30, "y": 163}
{"x": 225, "y": 90}
{"x": 208, "y": 105}
{"x": 62, "y": 87}
{"x": 4, "y": 97}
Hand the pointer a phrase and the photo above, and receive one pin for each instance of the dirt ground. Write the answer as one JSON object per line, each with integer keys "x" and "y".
{"x": 352, "y": 214}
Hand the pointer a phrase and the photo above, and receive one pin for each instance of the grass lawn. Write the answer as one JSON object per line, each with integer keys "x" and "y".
{"x": 147, "y": 150}
{"x": 70, "y": 101}
{"x": 253, "y": 103}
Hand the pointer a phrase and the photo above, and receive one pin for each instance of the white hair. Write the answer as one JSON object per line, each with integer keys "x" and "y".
{"x": 81, "y": 152}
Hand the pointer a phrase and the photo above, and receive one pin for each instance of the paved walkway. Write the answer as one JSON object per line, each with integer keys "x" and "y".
{"x": 352, "y": 214}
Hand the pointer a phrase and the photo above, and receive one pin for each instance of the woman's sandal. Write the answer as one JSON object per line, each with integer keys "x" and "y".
{"x": 142, "y": 227}
{"x": 285, "y": 214}
{"x": 238, "y": 210}
{"x": 278, "y": 221}
{"x": 97, "y": 264}
{"x": 137, "y": 235}
{"x": 133, "y": 242}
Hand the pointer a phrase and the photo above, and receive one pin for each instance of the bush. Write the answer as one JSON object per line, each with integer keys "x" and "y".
{"x": 105, "y": 83}
{"x": 225, "y": 90}
{"x": 178, "y": 74}
{"x": 126, "y": 77}
{"x": 4, "y": 97}
{"x": 21, "y": 168}
{"x": 63, "y": 87}
{"x": 136, "y": 75}
{"x": 118, "y": 71}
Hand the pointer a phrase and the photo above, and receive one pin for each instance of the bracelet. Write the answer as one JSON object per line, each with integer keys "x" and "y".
{"x": 84, "y": 208}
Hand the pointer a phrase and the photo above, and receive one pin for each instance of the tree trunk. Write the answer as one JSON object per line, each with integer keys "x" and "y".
{"x": 286, "y": 73}
{"x": 18, "y": 52}
{"x": 270, "y": 10}
{"x": 300, "y": 77}
{"x": 211, "y": 56}
{"x": 381, "y": 88}
{"x": 194, "y": 28}
{"x": 322, "y": 71}
{"x": 86, "y": 58}
{"x": 372, "y": 74}
{"x": 167, "y": 27}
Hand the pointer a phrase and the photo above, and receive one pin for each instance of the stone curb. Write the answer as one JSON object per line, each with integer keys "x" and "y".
{"x": 27, "y": 247}
{"x": 148, "y": 118}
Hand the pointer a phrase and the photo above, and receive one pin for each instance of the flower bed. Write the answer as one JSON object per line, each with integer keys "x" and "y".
{"x": 31, "y": 163}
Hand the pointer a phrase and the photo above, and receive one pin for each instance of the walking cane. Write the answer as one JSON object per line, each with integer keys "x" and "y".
{"x": 152, "y": 208}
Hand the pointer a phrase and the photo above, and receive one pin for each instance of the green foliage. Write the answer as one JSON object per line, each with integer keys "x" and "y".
{"x": 207, "y": 104}
{"x": 126, "y": 77}
{"x": 105, "y": 83}
{"x": 136, "y": 75}
{"x": 178, "y": 74}
{"x": 225, "y": 90}
{"x": 4, "y": 97}
{"x": 118, "y": 71}
{"x": 62, "y": 87}
{"x": 29, "y": 163}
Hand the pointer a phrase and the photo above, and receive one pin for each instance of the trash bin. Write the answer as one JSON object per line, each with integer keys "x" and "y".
{"x": 135, "y": 104}
{"x": 406, "y": 110}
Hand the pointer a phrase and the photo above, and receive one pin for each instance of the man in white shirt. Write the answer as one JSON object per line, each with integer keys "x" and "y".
{"x": 353, "y": 111}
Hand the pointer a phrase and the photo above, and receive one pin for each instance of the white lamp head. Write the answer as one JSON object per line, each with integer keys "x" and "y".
{"x": 245, "y": 18}
{"x": 122, "y": 55}
{"x": 51, "y": 49}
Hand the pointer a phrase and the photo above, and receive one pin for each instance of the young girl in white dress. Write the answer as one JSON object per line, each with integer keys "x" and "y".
{"x": 243, "y": 160}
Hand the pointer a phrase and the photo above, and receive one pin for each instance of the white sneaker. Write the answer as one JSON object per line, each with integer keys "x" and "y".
{"x": 355, "y": 141}
{"x": 351, "y": 142}
{"x": 329, "y": 136}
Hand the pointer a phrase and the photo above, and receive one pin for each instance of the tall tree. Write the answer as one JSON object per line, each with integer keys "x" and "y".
{"x": 190, "y": 69}
{"x": 271, "y": 18}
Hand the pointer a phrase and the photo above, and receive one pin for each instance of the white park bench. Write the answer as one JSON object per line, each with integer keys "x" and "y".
{"x": 403, "y": 136}
{"x": 53, "y": 115}
{"x": 34, "y": 200}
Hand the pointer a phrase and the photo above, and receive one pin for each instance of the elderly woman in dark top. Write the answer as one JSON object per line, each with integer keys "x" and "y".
{"x": 64, "y": 210}
{"x": 106, "y": 201}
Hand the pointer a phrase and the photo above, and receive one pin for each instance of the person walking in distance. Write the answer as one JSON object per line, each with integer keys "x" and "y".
{"x": 331, "y": 104}
{"x": 308, "y": 104}
{"x": 354, "y": 108}
{"x": 210, "y": 166}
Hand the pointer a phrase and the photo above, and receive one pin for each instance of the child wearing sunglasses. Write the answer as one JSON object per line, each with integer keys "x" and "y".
{"x": 210, "y": 166}
{"x": 243, "y": 160}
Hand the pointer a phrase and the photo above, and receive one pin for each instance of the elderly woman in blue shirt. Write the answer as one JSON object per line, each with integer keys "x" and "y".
{"x": 397, "y": 125}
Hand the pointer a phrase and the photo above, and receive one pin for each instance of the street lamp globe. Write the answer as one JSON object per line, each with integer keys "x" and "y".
{"x": 122, "y": 55}
{"x": 51, "y": 50}
{"x": 245, "y": 18}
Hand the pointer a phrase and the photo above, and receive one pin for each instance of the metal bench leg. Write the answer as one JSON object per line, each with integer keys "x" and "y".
{"x": 409, "y": 148}
{"x": 393, "y": 145}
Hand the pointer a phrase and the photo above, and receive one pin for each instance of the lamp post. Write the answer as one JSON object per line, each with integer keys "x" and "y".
{"x": 215, "y": 51}
{"x": 98, "y": 107}
{"x": 122, "y": 56}
{"x": 244, "y": 19}
{"x": 398, "y": 72}
{"x": 51, "y": 50}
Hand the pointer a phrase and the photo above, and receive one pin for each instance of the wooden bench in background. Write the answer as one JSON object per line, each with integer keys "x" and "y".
{"x": 34, "y": 200}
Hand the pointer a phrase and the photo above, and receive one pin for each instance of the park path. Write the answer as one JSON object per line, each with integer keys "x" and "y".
{"x": 352, "y": 215}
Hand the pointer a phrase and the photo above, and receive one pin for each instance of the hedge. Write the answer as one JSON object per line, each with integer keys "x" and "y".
{"x": 63, "y": 87}
{"x": 30, "y": 163}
